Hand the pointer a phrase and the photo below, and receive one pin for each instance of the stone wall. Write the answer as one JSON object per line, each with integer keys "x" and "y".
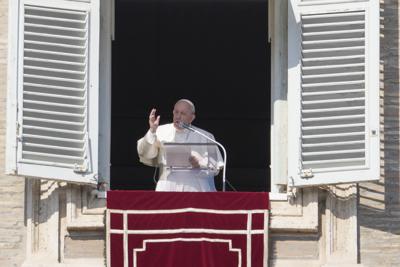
{"x": 12, "y": 229}
{"x": 379, "y": 203}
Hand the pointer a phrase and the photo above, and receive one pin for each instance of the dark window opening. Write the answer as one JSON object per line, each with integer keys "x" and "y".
{"x": 215, "y": 53}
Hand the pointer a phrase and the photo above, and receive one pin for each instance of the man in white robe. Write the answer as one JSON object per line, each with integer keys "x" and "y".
{"x": 205, "y": 161}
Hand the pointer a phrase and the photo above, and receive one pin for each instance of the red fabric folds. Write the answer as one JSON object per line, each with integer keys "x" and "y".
{"x": 187, "y": 229}
{"x": 146, "y": 200}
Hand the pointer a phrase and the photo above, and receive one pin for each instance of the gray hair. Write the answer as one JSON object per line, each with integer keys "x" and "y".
{"x": 190, "y": 103}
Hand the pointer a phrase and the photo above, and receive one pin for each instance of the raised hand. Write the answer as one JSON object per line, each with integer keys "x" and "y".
{"x": 153, "y": 121}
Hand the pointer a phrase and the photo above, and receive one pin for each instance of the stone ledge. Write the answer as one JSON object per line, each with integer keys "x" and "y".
{"x": 295, "y": 262}
{"x": 83, "y": 262}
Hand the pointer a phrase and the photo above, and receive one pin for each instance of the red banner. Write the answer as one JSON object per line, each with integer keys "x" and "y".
{"x": 147, "y": 228}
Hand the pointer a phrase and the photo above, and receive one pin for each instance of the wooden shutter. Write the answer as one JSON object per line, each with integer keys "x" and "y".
{"x": 57, "y": 90}
{"x": 333, "y": 91}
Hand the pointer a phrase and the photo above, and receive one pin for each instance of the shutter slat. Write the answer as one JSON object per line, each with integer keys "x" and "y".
{"x": 55, "y": 11}
{"x": 65, "y": 122}
{"x": 317, "y": 137}
{"x": 355, "y": 49}
{"x": 72, "y": 48}
{"x": 350, "y": 58}
{"x": 54, "y": 130}
{"x": 333, "y": 126}
{"x": 56, "y": 36}
{"x": 332, "y": 144}
{"x": 338, "y": 118}
{"x": 332, "y": 33}
{"x": 35, "y": 145}
{"x": 333, "y": 152}
{"x": 53, "y": 78}
{"x": 332, "y": 24}
{"x": 337, "y": 100}
{"x": 48, "y": 18}
{"x": 333, "y": 109}
{"x": 63, "y": 88}
{"x": 333, "y": 92}
{"x": 327, "y": 16}
{"x": 53, "y": 156}
{"x": 62, "y": 71}
{"x": 55, "y": 95}
{"x": 333, "y": 41}
{"x": 58, "y": 113}
{"x": 79, "y": 64}
{"x": 75, "y": 142}
{"x": 360, "y": 73}
{"x": 48, "y": 162}
{"x": 46, "y": 26}
{"x": 331, "y": 77}
{"x": 48, "y": 132}
{"x": 334, "y": 165}
{"x": 46, "y": 52}
{"x": 55, "y": 124}
{"x": 331, "y": 84}
{"x": 334, "y": 161}
{"x": 54, "y": 104}
{"x": 327, "y": 67}
{"x": 55, "y": 44}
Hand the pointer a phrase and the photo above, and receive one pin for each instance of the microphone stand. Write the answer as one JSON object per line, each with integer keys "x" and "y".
{"x": 190, "y": 128}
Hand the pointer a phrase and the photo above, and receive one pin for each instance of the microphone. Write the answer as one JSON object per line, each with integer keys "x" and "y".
{"x": 189, "y": 127}
{"x": 185, "y": 125}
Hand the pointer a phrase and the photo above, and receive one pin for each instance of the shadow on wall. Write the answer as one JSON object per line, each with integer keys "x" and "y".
{"x": 379, "y": 203}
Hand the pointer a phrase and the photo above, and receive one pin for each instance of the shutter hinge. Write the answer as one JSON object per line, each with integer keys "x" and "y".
{"x": 291, "y": 190}
{"x": 306, "y": 173}
{"x": 17, "y": 132}
{"x": 80, "y": 168}
{"x": 101, "y": 190}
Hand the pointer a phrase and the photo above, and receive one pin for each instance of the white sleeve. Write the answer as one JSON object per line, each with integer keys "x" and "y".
{"x": 147, "y": 146}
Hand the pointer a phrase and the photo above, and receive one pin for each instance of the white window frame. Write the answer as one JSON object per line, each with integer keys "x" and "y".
{"x": 279, "y": 118}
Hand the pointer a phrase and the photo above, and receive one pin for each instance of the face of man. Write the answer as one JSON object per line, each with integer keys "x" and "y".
{"x": 182, "y": 113}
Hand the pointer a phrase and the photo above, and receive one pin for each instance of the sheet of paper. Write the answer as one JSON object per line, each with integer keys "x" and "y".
{"x": 177, "y": 156}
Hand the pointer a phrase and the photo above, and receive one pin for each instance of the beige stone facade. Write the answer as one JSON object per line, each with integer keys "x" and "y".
{"x": 379, "y": 203}
{"x": 12, "y": 225}
{"x": 49, "y": 222}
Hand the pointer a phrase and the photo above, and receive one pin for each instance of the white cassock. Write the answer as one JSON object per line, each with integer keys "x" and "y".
{"x": 152, "y": 152}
